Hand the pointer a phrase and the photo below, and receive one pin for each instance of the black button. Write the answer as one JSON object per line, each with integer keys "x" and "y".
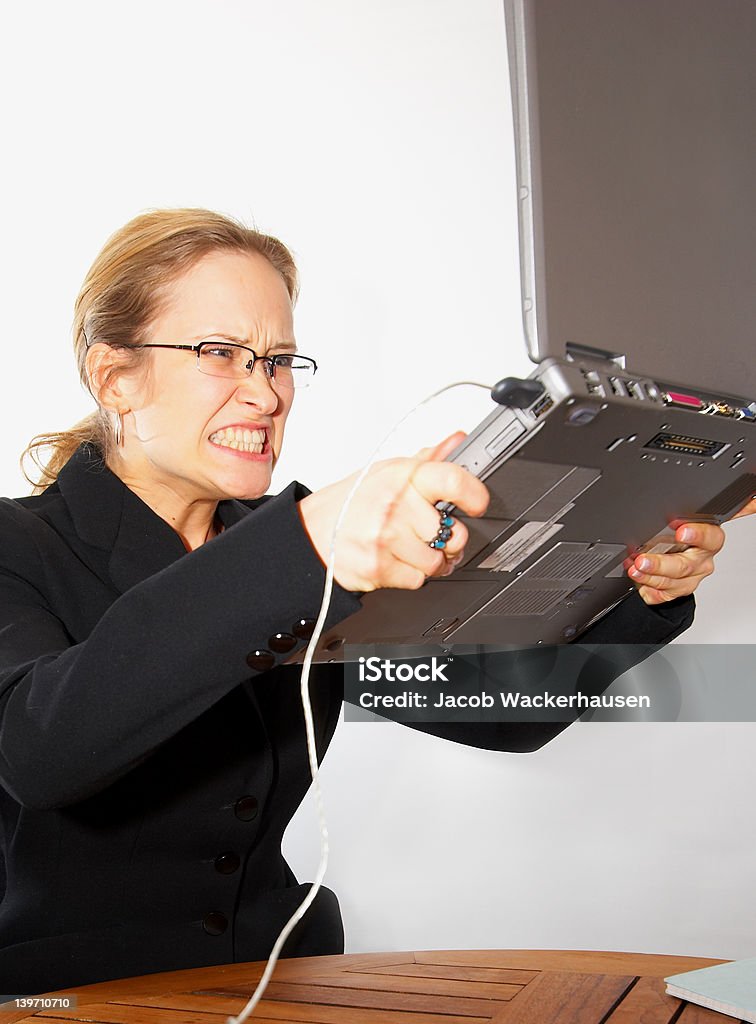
{"x": 304, "y": 628}
{"x": 246, "y": 808}
{"x": 261, "y": 660}
{"x": 227, "y": 863}
{"x": 215, "y": 923}
{"x": 335, "y": 644}
{"x": 581, "y": 415}
{"x": 282, "y": 642}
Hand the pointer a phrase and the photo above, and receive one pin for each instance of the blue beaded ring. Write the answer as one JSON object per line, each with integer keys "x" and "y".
{"x": 445, "y": 527}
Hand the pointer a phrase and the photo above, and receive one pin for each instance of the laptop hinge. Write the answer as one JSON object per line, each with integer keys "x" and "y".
{"x": 575, "y": 351}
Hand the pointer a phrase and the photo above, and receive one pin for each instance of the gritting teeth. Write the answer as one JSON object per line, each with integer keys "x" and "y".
{"x": 246, "y": 436}
{"x": 257, "y": 449}
{"x": 240, "y": 439}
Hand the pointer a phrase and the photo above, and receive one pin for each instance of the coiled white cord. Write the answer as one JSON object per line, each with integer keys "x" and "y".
{"x": 307, "y": 708}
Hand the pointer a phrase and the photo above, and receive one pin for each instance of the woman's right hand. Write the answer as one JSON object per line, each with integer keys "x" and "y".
{"x": 384, "y": 537}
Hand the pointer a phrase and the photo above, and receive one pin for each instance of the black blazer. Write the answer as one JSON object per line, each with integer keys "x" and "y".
{"x": 149, "y": 764}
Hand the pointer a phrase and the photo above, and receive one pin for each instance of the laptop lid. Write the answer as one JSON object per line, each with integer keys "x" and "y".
{"x": 636, "y": 152}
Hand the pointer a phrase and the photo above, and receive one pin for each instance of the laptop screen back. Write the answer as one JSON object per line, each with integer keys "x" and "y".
{"x": 641, "y": 171}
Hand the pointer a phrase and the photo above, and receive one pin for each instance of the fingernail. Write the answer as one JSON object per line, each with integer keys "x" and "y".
{"x": 635, "y": 572}
{"x": 645, "y": 564}
{"x": 687, "y": 535}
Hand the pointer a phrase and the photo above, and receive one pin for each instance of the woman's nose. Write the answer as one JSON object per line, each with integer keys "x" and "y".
{"x": 257, "y": 388}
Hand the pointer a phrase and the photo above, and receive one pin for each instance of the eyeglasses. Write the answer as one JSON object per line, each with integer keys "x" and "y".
{"x": 226, "y": 359}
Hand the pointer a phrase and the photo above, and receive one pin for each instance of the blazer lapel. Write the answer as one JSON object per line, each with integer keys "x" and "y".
{"x": 108, "y": 515}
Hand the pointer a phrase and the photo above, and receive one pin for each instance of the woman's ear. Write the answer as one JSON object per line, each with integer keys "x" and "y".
{"x": 104, "y": 363}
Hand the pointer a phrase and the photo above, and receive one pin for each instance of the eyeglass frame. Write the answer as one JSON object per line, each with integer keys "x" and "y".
{"x": 270, "y": 361}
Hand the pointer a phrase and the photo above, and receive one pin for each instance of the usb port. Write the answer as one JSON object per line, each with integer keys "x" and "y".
{"x": 636, "y": 390}
{"x": 543, "y": 404}
{"x": 618, "y": 387}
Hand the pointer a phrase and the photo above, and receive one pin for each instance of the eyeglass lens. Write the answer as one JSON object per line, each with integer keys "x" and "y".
{"x": 285, "y": 370}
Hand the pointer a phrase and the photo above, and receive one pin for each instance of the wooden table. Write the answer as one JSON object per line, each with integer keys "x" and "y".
{"x": 439, "y": 987}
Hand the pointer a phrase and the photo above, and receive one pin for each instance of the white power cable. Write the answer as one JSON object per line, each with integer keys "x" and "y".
{"x": 307, "y": 707}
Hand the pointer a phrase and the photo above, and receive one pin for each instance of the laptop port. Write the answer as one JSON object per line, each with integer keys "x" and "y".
{"x": 636, "y": 390}
{"x": 543, "y": 404}
{"x": 618, "y": 387}
{"x": 681, "y": 400}
{"x": 720, "y": 409}
{"x": 683, "y": 444}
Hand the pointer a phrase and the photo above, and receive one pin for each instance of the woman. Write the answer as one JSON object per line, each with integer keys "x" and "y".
{"x": 151, "y": 742}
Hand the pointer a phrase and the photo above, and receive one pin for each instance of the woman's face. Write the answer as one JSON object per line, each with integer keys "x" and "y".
{"x": 180, "y": 417}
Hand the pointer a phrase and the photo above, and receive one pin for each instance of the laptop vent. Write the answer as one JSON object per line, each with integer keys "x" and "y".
{"x": 570, "y": 561}
{"x": 731, "y": 498}
{"x": 553, "y": 578}
{"x": 519, "y": 601}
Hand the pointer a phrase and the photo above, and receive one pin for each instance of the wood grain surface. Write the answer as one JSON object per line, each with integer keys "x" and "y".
{"x": 486, "y": 986}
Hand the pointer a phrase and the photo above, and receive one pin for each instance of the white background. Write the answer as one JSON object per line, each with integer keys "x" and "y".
{"x": 375, "y": 139}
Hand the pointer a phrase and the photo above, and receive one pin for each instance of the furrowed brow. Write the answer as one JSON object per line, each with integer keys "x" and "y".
{"x": 281, "y": 346}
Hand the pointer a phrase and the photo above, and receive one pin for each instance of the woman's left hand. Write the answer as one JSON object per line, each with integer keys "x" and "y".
{"x": 661, "y": 578}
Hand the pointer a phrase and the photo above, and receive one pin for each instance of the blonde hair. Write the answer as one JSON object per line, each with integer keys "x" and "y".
{"x": 121, "y": 295}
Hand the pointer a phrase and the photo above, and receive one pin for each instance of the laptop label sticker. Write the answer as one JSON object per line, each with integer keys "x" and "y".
{"x": 520, "y": 546}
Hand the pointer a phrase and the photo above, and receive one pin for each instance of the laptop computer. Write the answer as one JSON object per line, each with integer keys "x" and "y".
{"x": 636, "y": 159}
